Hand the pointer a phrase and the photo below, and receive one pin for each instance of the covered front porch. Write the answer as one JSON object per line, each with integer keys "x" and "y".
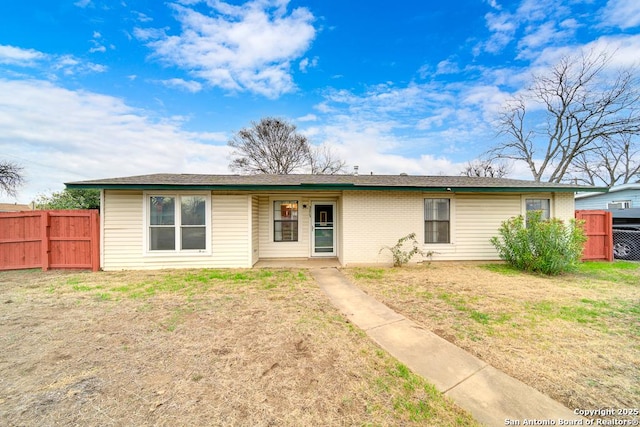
{"x": 296, "y": 229}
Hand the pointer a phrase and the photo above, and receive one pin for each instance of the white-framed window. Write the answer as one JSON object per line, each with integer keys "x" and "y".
{"x": 437, "y": 220}
{"x": 619, "y": 204}
{"x": 539, "y": 204}
{"x": 177, "y": 223}
{"x": 285, "y": 221}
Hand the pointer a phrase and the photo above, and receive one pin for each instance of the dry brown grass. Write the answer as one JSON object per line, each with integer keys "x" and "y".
{"x": 197, "y": 347}
{"x": 573, "y": 337}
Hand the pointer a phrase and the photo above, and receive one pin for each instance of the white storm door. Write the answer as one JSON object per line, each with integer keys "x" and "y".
{"x": 323, "y": 228}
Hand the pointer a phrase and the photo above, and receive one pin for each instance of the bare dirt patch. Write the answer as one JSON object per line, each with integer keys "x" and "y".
{"x": 573, "y": 337}
{"x": 199, "y": 347}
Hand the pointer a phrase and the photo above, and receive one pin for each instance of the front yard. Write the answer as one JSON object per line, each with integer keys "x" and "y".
{"x": 265, "y": 347}
{"x": 576, "y": 337}
{"x": 198, "y": 347}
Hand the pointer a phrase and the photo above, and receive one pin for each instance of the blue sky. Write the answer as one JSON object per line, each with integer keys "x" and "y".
{"x": 96, "y": 88}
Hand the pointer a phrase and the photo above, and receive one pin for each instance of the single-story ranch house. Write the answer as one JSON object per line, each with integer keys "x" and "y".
{"x": 185, "y": 220}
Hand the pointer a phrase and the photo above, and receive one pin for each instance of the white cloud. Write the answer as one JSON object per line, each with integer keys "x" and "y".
{"x": 16, "y": 56}
{"x": 369, "y": 146}
{"x": 624, "y": 51}
{"x": 189, "y": 86}
{"x": 307, "y": 118}
{"x": 538, "y": 36}
{"x": 494, "y": 4}
{"x": 437, "y": 119}
{"x": 237, "y": 48}
{"x": 624, "y": 14}
{"x": 48, "y": 64}
{"x": 532, "y": 24}
{"x": 70, "y": 65}
{"x": 59, "y": 135}
{"x": 447, "y": 67}
{"x": 307, "y": 63}
{"x": 417, "y": 129}
{"x": 97, "y": 46}
{"x": 502, "y": 27}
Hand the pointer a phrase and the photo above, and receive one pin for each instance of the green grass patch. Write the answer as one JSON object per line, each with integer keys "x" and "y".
{"x": 505, "y": 269}
{"x": 578, "y": 313}
{"x": 479, "y": 317}
{"x": 462, "y": 304}
{"x": 621, "y": 272}
{"x": 369, "y": 273}
{"x": 103, "y": 296}
{"x": 455, "y": 301}
{"x": 187, "y": 282}
{"x": 594, "y": 312}
{"x": 414, "y": 398}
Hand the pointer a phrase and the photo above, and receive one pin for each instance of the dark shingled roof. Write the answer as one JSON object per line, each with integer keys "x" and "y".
{"x": 325, "y": 182}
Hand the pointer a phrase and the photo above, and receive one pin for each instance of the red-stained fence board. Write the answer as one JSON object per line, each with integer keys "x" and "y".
{"x": 598, "y": 227}
{"x": 67, "y": 239}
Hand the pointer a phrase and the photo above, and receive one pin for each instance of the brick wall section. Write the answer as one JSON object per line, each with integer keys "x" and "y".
{"x": 564, "y": 204}
{"x": 373, "y": 219}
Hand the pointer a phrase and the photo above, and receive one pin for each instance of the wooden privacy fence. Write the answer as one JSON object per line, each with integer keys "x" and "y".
{"x": 599, "y": 230}
{"x": 50, "y": 240}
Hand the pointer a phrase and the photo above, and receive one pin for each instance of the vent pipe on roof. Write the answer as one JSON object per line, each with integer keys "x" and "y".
{"x": 355, "y": 170}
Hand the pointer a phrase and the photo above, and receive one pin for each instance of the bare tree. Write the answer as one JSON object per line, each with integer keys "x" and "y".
{"x": 616, "y": 161}
{"x": 273, "y": 146}
{"x": 583, "y": 108}
{"x": 323, "y": 161}
{"x": 486, "y": 168}
{"x": 10, "y": 178}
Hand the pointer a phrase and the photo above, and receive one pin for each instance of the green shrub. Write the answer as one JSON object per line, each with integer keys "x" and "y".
{"x": 401, "y": 254}
{"x": 544, "y": 246}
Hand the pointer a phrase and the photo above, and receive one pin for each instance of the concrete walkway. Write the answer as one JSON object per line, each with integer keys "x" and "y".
{"x": 491, "y": 396}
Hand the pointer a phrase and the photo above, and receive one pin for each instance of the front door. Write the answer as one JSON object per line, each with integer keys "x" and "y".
{"x": 323, "y": 231}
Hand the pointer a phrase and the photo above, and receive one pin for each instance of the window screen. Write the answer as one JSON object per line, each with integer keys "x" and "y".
{"x": 285, "y": 221}
{"x": 436, "y": 221}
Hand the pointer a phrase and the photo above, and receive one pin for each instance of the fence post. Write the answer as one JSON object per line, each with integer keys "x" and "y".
{"x": 46, "y": 242}
{"x": 608, "y": 220}
{"x": 95, "y": 240}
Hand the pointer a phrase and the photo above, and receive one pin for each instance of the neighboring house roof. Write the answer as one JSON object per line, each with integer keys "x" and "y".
{"x": 613, "y": 189}
{"x": 14, "y": 207}
{"x": 327, "y": 182}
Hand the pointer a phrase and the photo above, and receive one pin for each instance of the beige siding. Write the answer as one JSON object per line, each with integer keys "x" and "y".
{"x": 302, "y": 248}
{"x": 255, "y": 229}
{"x": 477, "y": 219}
{"x": 339, "y": 230}
{"x": 123, "y": 229}
{"x": 231, "y": 238}
{"x": 269, "y": 248}
{"x": 124, "y": 234}
{"x": 242, "y": 227}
